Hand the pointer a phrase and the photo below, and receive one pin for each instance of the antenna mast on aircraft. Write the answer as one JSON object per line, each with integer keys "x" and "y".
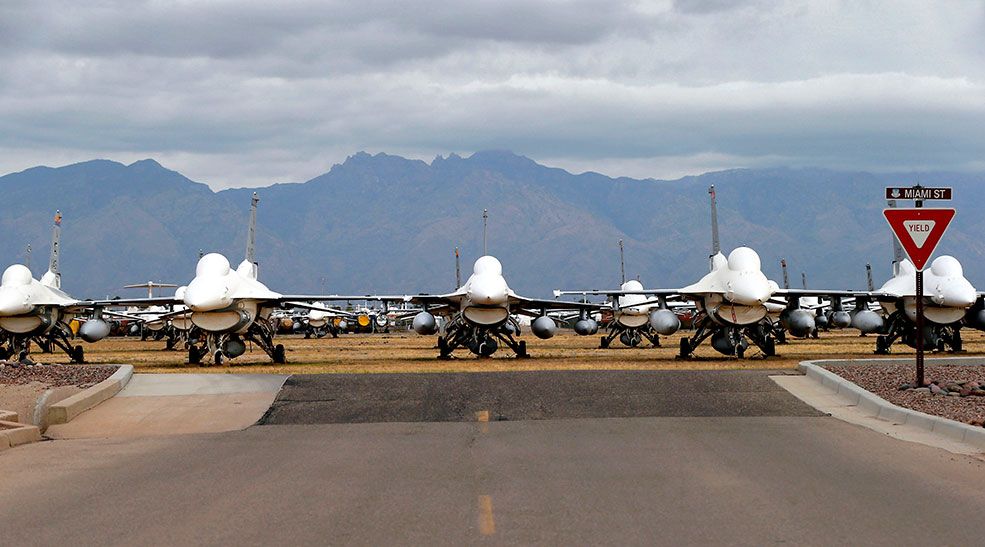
{"x": 485, "y": 222}
{"x": 622, "y": 262}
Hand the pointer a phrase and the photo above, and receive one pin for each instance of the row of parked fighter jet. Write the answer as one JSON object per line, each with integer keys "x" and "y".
{"x": 223, "y": 308}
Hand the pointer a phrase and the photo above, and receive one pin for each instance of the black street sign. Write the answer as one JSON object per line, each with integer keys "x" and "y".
{"x": 917, "y": 193}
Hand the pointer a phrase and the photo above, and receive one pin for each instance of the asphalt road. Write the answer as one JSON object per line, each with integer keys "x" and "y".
{"x": 669, "y": 481}
{"x": 443, "y": 397}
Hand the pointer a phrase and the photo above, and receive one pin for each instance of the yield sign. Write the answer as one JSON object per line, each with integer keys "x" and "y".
{"x": 919, "y": 231}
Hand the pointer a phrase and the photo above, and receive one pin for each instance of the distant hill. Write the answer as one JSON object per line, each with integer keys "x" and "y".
{"x": 383, "y": 223}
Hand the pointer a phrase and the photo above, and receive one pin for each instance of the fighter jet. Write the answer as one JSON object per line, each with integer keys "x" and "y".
{"x": 39, "y": 311}
{"x": 635, "y": 317}
{"x": 478, "y": 314}
{"x": 229, "y": 306}
{"x": 733, "y": 302}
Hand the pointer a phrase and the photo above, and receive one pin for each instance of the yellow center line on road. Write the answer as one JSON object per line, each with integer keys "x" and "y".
{"x": 482, "y": 417}
{"x": 487, "y": 526}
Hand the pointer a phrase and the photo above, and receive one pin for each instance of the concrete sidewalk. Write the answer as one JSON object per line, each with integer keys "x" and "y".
{"x": 172, "y": 404}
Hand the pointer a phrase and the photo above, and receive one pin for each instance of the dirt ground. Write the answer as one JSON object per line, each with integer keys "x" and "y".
{"x": 408, "y": 352}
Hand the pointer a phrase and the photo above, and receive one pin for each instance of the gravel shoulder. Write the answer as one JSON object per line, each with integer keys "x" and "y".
{"x": 22, "y": 385}
{"x": 885, "y": 380}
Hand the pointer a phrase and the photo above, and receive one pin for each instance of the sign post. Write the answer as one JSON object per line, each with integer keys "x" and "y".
{"x": 919, "y": 230}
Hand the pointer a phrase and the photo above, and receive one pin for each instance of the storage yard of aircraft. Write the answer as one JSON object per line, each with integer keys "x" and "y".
{"x": 223, "y": 313}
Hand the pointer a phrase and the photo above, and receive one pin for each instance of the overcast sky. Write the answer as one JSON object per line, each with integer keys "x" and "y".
{"x": 251, "y": 93}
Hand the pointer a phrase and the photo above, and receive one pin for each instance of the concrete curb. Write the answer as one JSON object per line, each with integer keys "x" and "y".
{"x": 64, "y": 411}
{"x": 872, "y": 405}
{"x": 13, "y": 433}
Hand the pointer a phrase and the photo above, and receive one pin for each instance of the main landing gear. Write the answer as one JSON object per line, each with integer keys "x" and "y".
{"x": 482, "y": 341}
{"x": 630, "y": 337}
{"x": 732, "y": 340}
{"x": 226, "y": 346}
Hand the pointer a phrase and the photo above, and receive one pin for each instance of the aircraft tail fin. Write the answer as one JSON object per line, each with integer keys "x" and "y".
{"x": 622, "y": 262}
{"x": 897, "y": 247}
{"x": 251, "y": 237}
{"x": 803, "y": 279}
{"x": 715, "y": 246}
{"x": 458, "y": 270}
{"x": 53, "y": 277}
{"x": 786, "y": 276}
{"x": 868, "y": 277}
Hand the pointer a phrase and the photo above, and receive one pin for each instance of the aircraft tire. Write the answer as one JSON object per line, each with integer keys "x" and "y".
{"x": 604, "y": 343}
{"x": 279, "y": 357}
{"x": 523, "y": 350}
{"x": 78, "y": 354}
{"x": 770, "y": 349}
{"x": 194, "y": 357}
{"x": 882, "y": 347}
{"x": 685, "y": 348}
{"x": 217, "y": 357}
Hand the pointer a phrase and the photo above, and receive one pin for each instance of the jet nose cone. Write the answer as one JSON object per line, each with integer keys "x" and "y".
{"x": 748, "y": 292}
{"x": 13, "y": 302}
{"x": 204, "y": 294}
{"x": 488, "y": 292}
{"x": 954, "y": 295}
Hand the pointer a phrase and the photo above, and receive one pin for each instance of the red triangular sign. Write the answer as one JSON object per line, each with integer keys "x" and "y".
{"x": 919, "y": 231}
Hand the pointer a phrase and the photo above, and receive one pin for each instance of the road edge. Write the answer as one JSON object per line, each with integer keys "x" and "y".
{"x": 66, "y": 410}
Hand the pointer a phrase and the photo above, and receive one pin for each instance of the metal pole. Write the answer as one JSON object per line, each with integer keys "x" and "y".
{"x": 919, "y": 203}
{"x": 919, "y": 328}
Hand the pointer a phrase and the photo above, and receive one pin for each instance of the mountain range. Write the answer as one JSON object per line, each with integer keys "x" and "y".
{"x": 387, "y": 224}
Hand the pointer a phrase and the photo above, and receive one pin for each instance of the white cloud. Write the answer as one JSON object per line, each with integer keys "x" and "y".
{"x": 235, "y": 93}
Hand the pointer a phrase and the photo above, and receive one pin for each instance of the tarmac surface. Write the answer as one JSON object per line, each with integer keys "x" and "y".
{"x": 444, "y": 397}
{"x": 752, "y": 469}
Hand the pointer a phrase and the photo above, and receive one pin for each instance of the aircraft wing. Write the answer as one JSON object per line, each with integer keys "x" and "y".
{"x": 135, "y": 302}
{"x": 646, "y": 292}
{"x": 308, "y": 306}
{"x": 822, "y": 292}
{"x": 536, "y": 306}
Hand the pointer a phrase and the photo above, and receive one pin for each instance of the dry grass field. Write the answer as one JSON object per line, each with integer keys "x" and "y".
{"x": 407, "y": 352}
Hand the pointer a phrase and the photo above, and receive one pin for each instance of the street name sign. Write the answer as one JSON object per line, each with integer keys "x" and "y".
{"x": 918, "y": 193}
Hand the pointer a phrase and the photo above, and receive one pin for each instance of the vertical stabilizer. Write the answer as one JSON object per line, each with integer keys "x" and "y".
{"x": 803, "y": 279}
{"x": 251, "y": 236}
{"x": 53, "y": 277}
{"x": 715, "y": 246}
{"x": 485, "y": 225}
{"x": 897, "y": 248}
{"x": 458, "y": 270}
{"x": 786, "y": 276}
{"x": 622, "y": 262}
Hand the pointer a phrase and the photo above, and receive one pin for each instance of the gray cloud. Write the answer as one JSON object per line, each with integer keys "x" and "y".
{"x": 236, "y": 93}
